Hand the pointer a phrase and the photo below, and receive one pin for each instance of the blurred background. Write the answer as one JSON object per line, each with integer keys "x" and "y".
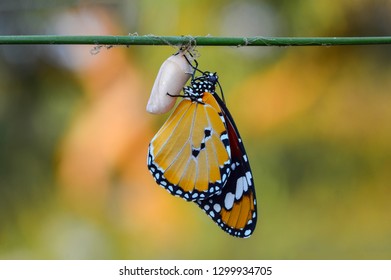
{"x": 74, "y": 132}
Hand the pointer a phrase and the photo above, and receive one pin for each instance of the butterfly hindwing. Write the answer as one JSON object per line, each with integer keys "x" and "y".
{"x": 190, "y": 155}
{"x": 234, "y": 207}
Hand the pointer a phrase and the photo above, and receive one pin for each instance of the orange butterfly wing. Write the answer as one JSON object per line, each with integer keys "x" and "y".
{"x": 190, "y": 155}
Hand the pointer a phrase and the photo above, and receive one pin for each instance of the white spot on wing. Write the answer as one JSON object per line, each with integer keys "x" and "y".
{"x": 224, "y": 136}
{"x": 217, "y": 207}
{"x": 249, "y": 177}
{"x": 241, "y": 185}
{"x": 229, "y": 200}
{"x": 247, "y": 232}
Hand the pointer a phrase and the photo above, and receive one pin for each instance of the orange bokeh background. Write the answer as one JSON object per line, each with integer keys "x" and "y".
{"x": 74, "y": 133}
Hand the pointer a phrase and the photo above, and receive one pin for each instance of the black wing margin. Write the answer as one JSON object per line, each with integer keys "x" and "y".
{"x": 234, "y": 208}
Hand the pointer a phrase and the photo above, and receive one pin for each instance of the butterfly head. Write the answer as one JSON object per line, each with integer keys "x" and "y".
{"x": 205, "y": 83}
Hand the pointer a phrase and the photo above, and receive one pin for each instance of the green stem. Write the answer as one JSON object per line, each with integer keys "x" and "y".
{"x": 198, "y": 40}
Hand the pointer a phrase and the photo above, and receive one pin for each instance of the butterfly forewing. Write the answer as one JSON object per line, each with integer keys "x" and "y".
{"x": 190, "y": 154}
{"x": 234, "y": 208}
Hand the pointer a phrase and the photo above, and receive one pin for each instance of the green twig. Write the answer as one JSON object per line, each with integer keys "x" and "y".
{"x": 198, "y": 40}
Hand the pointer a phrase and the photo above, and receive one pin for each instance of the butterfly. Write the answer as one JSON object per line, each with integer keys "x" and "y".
{"x": 198, "y": 155}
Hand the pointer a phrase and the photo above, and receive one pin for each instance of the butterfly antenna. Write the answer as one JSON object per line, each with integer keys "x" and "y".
{"x": 192, "y": 66}
{"x": 221, "y": 91}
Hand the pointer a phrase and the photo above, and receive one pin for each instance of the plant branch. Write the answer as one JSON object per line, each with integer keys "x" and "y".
{"x": 185, "y": 40}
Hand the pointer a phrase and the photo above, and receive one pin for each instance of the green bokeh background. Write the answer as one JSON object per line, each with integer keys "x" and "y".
{"x": 316, "y": 122}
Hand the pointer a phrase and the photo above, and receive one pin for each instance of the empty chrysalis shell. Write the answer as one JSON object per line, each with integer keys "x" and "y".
{"x": 172, "y": 77}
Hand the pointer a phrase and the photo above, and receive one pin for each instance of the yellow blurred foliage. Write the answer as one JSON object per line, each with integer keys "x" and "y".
{"x": 315, "y": 122}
